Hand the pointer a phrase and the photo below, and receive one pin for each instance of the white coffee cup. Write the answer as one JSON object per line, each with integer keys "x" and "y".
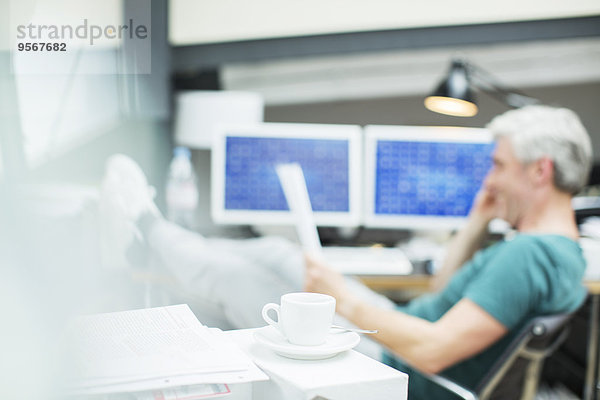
{"x": 302, "y": 318}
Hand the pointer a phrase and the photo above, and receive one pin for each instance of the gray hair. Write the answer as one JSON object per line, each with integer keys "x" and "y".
{"x": 557, "y": 133}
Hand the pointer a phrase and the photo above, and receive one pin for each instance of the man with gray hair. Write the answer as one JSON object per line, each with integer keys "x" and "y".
{"x": 483, "y": 298}
{"x": 542, "y": 157}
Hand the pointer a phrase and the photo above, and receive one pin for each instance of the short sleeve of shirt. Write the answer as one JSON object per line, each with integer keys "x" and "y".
{"x": 512, "y": 283}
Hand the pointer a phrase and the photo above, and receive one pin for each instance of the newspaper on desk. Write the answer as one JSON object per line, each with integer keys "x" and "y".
{"x": 191, "y": 392}
{"x": 153, "y": 348}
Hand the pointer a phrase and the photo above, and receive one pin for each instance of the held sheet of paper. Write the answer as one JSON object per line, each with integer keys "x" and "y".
{"x": 152, "y": 348}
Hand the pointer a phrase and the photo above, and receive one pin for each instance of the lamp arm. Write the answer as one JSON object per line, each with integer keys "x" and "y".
{"x": 485, "y": 82}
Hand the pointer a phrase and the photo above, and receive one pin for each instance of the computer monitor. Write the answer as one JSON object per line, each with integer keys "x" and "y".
{"x": 245, "y": 185}
{"x": 423, "y": 177}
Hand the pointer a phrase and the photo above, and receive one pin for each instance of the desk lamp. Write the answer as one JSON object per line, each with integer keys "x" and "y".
{"x": 454, "y": 95}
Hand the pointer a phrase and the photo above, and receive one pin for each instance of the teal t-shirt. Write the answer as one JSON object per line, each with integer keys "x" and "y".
{"x": 514, "y": 281}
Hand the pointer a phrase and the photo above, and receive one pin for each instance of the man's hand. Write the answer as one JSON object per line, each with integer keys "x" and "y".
{"x": 488, "y": 205}
{"x": 322, "y": 279}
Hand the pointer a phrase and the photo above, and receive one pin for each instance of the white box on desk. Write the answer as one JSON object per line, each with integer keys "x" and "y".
{"x": 347, "y": 376}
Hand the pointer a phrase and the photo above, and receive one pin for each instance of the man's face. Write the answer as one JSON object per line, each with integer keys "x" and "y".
{"x": 508, "y": 182}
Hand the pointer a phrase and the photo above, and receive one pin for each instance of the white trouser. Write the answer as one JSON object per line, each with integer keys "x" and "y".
{"x": 229, "y": 281}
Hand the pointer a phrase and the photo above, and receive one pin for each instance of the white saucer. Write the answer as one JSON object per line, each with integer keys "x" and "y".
{"x": 335, "y": 344}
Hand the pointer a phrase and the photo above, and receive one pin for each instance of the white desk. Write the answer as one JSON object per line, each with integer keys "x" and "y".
{"x": 347, "y": 376}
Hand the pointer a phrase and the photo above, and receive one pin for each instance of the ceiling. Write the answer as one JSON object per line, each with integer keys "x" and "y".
{"x": 407, "y": 72}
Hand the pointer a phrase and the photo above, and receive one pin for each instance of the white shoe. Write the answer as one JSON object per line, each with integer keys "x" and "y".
{"x": 124, "y": 196}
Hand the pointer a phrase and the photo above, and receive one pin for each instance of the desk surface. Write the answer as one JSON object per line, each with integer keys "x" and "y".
{"x": 421, "y": 283}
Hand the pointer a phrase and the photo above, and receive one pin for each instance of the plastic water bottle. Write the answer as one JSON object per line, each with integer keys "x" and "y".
{"x": 182, "y": 189}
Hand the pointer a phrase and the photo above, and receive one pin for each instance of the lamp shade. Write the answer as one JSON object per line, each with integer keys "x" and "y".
{"x": 453, "y": 96}
{"x": 198, "y": 113}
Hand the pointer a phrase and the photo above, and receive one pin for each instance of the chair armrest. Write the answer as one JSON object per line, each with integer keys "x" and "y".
{"x": 453, "y": 387}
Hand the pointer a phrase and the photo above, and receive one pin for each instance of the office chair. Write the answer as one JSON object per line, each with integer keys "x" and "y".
{"x": 515, "y": 374}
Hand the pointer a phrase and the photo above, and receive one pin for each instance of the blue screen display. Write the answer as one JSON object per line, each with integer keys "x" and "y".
{"x": 251, "y": 181}
{"x": 429, "y": 178}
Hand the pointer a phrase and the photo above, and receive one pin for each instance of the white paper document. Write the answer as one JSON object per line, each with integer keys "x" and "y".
{"x": 151, "y": 348}
{"x": 294, "y": 188}
{"x": 194, "y": 392}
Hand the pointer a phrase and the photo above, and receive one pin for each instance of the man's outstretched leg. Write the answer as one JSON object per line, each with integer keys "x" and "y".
{"x": 225, "y": 278}
{"x": 230, "y": 280}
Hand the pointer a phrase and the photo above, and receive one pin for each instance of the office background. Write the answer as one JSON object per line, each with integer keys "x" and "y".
{"x": 374, "y": 72}
{"x": 59, "y": 129}
{"x": 379, "y": 76}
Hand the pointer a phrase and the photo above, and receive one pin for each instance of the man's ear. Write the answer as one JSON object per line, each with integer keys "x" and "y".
{"x": 543, "y": 171}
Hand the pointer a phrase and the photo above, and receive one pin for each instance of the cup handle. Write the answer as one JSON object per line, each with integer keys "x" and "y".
{"x": 268, "y": 307}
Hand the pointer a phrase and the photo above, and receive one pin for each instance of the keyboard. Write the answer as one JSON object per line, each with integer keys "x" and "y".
{"x": 367, "y": 260}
